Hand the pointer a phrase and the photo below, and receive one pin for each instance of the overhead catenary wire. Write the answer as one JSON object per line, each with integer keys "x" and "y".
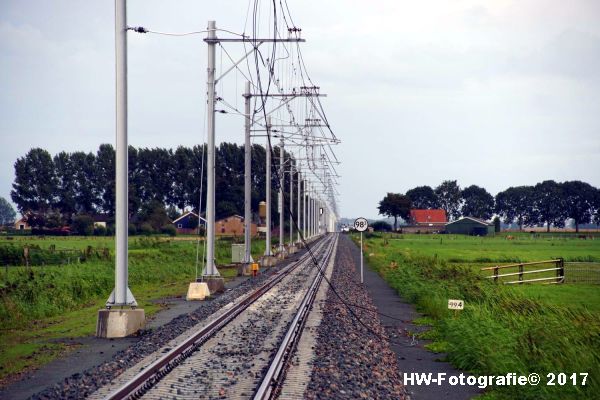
{"x": 295, "y": 72}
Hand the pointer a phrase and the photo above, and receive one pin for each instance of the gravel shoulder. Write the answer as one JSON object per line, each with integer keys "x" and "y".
{"x": 410, "y": 353}
{"x": 352, "y": 361}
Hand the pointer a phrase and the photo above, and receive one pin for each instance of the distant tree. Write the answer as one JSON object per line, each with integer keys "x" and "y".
{"x": 66, "y": 184}
{"x": 517, "y": 204}
{"x": 85, "y": 194}
{"x": 395, "y": 205}
{"x": 35, "y": 182}
{"x": 7, "y": 213}
{"x": 154, "y": 215}
{"x": 580, "y": 201}
{"x": 549, "y": 203}
{"x": 105, "y": 178}
{"x": 198, "y": 181}
{"x": 53, "y": 218}
{"x": 135, "y": 181}
{"x": 381, "y": 226}
{"x": 224, "y": 209}
{"x": 449, "y": 197}
{"x": 596, "y": 217}
{"x": 423, "y": 197}
{"x": 172, "y": 213}
{"x": 182, "y": 174}
{"x": 497, "y": 224}
{"x": 478, "y": 202}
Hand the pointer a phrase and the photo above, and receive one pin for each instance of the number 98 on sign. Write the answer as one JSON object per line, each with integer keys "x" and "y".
{"x": 361, "y": 224}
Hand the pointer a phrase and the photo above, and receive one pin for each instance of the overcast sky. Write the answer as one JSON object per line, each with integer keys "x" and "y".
{"x": 493, "y": 93}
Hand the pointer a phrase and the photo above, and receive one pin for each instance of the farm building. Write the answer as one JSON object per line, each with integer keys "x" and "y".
{"x": 233, "y": 225}
{"x": 470, "y": 226}
{"x": 22, "y": 224}
{"x": 188, "y": 223}
{"x": 100, "y": 220}
{"x": 428, "y": 217}
{"x": 425, "y": 221}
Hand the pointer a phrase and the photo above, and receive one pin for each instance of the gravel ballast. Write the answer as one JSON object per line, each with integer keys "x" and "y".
{"x": 81, "y": 385}
{"x": 353, "y": 362}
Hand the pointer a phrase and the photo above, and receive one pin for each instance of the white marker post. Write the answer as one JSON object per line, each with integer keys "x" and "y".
{"x": 361, "y": 225}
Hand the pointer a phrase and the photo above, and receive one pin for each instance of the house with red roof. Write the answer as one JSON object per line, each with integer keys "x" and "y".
{"x": 428, "y": 218}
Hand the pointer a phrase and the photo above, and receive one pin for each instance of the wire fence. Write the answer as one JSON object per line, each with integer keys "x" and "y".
{"x": 29, "y": 256}
{"x": 582, "y": 272}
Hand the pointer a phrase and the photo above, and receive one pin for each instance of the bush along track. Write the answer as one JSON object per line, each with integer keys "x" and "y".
{"x": 500, "y": 330}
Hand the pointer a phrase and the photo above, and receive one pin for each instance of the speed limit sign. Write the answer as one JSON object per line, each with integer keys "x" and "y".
{"x": 361, "y": 224}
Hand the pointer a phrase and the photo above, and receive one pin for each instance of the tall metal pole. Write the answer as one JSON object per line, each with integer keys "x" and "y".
{"x": 268, "y": 190}
{"x": 247, "y": 177}
{"x": 291, "y": 205}
{"x": 281, "y": 205}
{"x": 314, "y": 215}
{"x": 121, "y": 295}
{"x": 210, "y": 155}
{"x": 304, "y": 194}
{"x": 309, "y": 216}
{"x": 298, "y": 209}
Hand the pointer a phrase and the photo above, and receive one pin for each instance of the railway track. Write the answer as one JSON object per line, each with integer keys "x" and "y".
{"x": 242, "y": 351}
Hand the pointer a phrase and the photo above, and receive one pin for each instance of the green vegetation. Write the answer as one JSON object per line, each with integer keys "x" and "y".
{"x": 531, "y": 328}
{"x": 40, "y": 305}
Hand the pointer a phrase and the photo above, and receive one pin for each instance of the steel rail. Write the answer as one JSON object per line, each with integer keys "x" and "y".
{"x": 137, "y": 386}
{"x": 275, "y": 375}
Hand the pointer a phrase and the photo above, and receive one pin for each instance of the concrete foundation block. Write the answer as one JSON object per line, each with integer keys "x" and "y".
{"x": 118, "y": 323}
{"x": 267, "y": 261}
{"x": 216, "y": 284}
{"x": 244, "y": 269}
{"x": 197, "y": 291}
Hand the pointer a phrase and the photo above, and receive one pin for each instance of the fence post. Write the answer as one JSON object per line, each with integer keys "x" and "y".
{"x": 496, "y": 274}
{"x": 520, "y": 274}
{"x": 560, "y": 272}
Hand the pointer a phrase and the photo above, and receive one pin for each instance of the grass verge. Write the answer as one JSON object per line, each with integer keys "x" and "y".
{"x": 43, "y": 305}
{"x": 502, "y": 329}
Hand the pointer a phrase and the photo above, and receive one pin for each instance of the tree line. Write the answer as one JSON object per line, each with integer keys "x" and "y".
{"x": 53, "y": 190}
{"x": 547, "y": 203}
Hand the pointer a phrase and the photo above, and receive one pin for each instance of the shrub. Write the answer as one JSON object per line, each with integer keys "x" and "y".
{"x": 132, "y": 229}
{"x": 100, "y": 231}
{"x": 381, "y": 226}
{"x": 83, "y": 225}
{"x": 169, "y": 230}
{"x": 146, "y": 229}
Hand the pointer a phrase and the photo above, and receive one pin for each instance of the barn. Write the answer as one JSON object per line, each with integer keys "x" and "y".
{"x": 425, "y": 221}
{"x": 470, "y": 226}
{"x": 427, "y": 217}
{"x": 188, "y": 223}
{"x": 233, "y": 226}
{"x": 22, "y": 224}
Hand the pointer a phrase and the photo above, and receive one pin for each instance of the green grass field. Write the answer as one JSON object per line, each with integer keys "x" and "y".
{"x": 525, "y": 328}
{"x": 40, "y": 305}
